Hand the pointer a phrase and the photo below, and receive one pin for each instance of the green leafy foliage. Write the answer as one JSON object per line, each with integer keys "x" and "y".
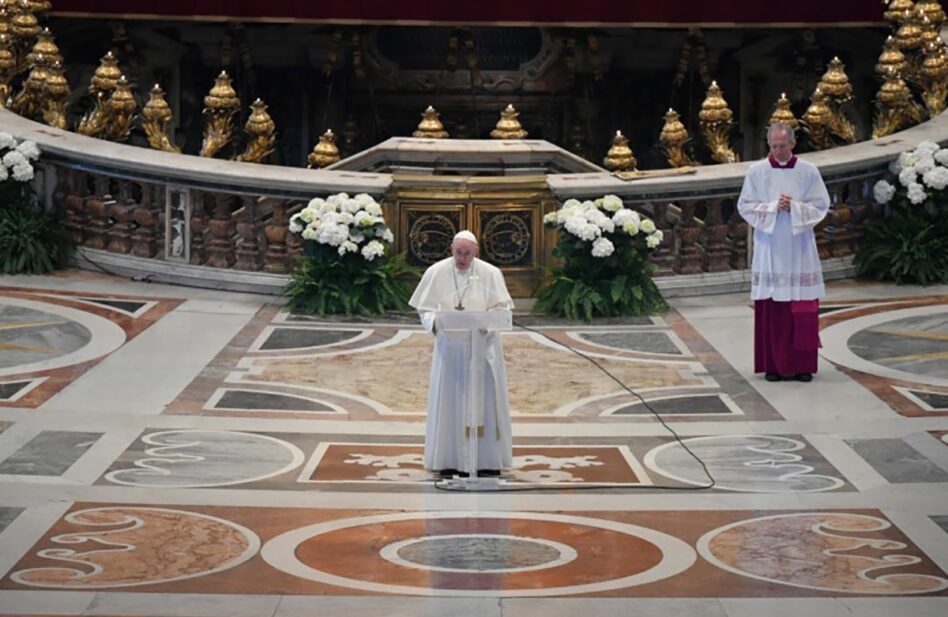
{"x": 910, "y": 246}
{"x": 325, "y": 283}
{"x": 585, "y": 287}
{"x": 31, "y": 241}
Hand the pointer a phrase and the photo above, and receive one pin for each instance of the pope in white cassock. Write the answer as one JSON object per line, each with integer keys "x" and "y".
{"x": 464, "y": 282}
{"x": 783, "y": 199}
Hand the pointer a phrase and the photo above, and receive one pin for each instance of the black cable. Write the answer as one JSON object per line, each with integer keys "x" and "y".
{"x": 138, "y": 279}
{"x": 711, "y": 481}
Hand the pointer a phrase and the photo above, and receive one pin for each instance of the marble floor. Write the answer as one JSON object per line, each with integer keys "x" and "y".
{"x": 172, "y": 451}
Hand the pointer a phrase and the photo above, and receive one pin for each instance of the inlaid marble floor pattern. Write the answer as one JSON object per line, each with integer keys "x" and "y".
{"x": 173, "y": 451}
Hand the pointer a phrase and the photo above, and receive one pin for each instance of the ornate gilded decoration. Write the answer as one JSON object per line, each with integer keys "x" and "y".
{"x": 120, "y": 107}
{"x": 155, "y": 118}
{"x": 891, "y": 58}
{"x": 39, "y": 6}
{"x": 816, "y": 122}
{"x": 430, "y": 126}
{"x": 909, "y": 34}
{"x": 24, "y": 28}
{"x": 430, "y": 235}
{"x": 106, "y": 75}
{"x": 933, "y": 10}
{"x": 782, "y": 113}
{"x": 895, "y": 107}
{"x": 57, "y": 93}
{"x": 220, "y": 106}
{"x": 838, "y": 91}
{"x": 325, "y": 152}
{"x": 29, "y": 101}
{"x": 715, "y": 119}
{"x": 7, "y": 67}
{"x": 508, "y": 127}
{"x": 674, "y": 136}
{"x": 620, "y": 156}
{"x": 506, "y": 239}
{"x": 262, "y": 131}
{"x": 933, "y": 77}
{"x": 897, "y": 10}
{"x": 45, "y": 50}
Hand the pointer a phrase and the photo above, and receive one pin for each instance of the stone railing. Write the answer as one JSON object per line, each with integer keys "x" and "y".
{"x": 222, "y": 224}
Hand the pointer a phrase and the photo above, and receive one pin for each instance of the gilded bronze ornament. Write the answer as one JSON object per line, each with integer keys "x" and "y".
{"x": 45, "y": 50}
{"x": 897, "y": 10}
{"x": 891, "y": 58}
{"x": 620, "y": 156}
{"x": 933, "y": 77}
{"x": 896, "y": 109}
{"x": 155, "y": 118}
{"x": 29, "y": 100}
{"x": 7, "y": 68}
{"x": 782, "y": 113}
{"x": 715, "y": 120}
{"x": 816, "y": 121}
{"x": 120, "y": 108}
{"x": 57, "y": 93}
{"x": 430, "y": 126}
{"x": 24, "y": 28}
{"x": 838, "y": 91}
{"x": 508, "y": 127}
{"x": 674, "y": 136}
{"x": 220, "y": 106}
{"x": 933, "y": 10}
{"x": 325, "y": 152}
{"x": 261, "y": 129}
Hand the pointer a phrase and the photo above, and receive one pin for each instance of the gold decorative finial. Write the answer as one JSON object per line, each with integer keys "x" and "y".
{"x": 897, "y": 10}
{"x": 45, "y": 50}
{"x": 29, "y": 101}
{"x": 895, "y": 107}
{"x": 835, "y": 83}
{"x": 220, "y": 106}
{"x": 838, "y": 91}
{"x": 909, "y": 34}
{"x": 155, "y": 118}
{"x": 262, "y": 131}
{"x": 674, "y": 136}
{"x": 933, "y": 10}
{"x": 430, "y": 126}
{"x": 715, "y": 120}
{"x": 933, "y": 77}
{"x": 816, "y": 121}
{"x": 325, "y": 152}
{"x": 782, "y": 113}
{"x": 56, "y": 94}
{"x": 508, "y": 127}
{"x": 7, "y": 67}
{"x": 121, "y": 108}
{"x": 106, "y": 76}
{"x": 620, "y": 156}
{"x": 891, "y": 58}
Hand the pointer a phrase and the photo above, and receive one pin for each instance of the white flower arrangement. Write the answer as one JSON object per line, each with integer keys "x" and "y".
{"x": 592, "y": 220}
{"x": 349, "y": 224}
{"x": 918, "y": 171}
{"x": 17, "y": 158}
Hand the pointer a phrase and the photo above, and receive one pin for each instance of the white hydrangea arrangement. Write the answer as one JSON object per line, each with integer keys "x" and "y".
{"x": 348, "y": 224}
{"x": 601, "y": 222}
{"x": 16, "y": 158}
{"x": 919, "y": 172}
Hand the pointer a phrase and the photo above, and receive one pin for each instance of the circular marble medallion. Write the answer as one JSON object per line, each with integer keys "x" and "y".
{"x": 478, "y": 554}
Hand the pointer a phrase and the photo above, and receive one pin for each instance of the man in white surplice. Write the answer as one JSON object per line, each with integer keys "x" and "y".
{"x": 783, "y": 199}
{"x": 464, "y": 282}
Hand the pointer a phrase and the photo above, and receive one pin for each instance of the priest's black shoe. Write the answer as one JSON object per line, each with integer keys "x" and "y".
{"x": 773, "y": 377}
{"x": 804, "y": 377}
{"x": 450, "y": 473}
{"x": 488, "y": 473}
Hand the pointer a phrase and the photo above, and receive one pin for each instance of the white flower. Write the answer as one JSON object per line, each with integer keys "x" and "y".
{"x": 647, "y": 226}
{"x": 916, "y": 193}
{"x": 309, "y": 234}
{"x": 364, "y": 219}
{"x": 936, "y": 178}
{"x": 364, "y": 199}
{"x": 942, "y": 156}
{"x": 14, "y": 158}
{"x": 351, "y": 206}
{"x": 348, "y": 247}
{"x": 6, "y": 140}
{"x": 589, "y": 232}
{"x": 652, "y": 241}
{"x": 928, "y": 147}
{"x": 895, "y": 167}
{"x": 631, "y": 227}
{"x": 658, "y": 235}
{"x": 550, "y": 218}
{"x": 338, "y": 199}
{"x": 907, "y": 176}
{"x": 883, "y": 192}
{"x": 388, "y": 236}
{"x": 4, "y": 174}
{"x": 611, "y": 203}
{"x": 570, "y": 203}
{"x": 906, "y": 160}
{"x": 326, "y": 207}
{"x": 22, "y": 173}
{"x": 344, "y": 218}
{"x": 603, "y": 247}
{"x": 373, "y": 249}
{"x": 28, "y": 149}
{"x": 316, "y": 203}
{"x": 373, "y": 208}
{"x": 296, "y": 226}
{"x": 575, "y": 224}
{"x": 925, "y": 162}
{"x": 624, "y": 215}
{"x": 600, "y": 220}
{"x": 307, "y": 215}
{"x": 333, "y": 235}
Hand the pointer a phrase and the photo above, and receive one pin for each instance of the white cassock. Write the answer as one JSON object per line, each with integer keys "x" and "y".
{"x": 786, "y": 263}
{"x": 479, "y": 288}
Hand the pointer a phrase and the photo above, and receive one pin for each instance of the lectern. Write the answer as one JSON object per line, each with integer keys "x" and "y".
{"x": 477, "y": 325}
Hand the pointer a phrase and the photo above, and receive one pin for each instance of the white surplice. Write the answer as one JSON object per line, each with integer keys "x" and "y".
{"x": 786, "y": 263}
{"x": 479, "y": 288}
